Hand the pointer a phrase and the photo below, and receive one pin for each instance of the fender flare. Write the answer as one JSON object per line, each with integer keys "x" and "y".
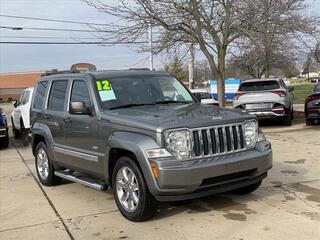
{"x": 137, "y": 144}
{"x": 43, "y": 130}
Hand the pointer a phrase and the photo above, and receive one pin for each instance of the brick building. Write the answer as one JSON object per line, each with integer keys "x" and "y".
{"x": 11, "y": 84}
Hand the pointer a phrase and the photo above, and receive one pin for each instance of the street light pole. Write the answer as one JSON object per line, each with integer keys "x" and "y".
{"x": 150, "y": 47}
{"x": 191, "y": 66}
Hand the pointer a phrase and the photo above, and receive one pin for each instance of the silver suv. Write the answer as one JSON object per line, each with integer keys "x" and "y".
{"x": 266, "y": 98}
{"x": 143, "y": 134}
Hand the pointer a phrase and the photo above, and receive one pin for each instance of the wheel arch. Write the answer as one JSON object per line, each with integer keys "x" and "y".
{"x": 132, "y": 145}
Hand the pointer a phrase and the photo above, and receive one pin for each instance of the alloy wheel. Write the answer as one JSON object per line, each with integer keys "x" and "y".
{"x": 127, "y": 189}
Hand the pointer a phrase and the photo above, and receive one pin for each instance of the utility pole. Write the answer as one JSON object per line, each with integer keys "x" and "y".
{"x": 151, "y": 48}
{"x": 191, "y": 66}
{"x": 309, "y": 62}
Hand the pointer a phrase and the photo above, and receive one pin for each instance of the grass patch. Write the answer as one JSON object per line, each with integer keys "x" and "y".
{"x": 301, "y": 92}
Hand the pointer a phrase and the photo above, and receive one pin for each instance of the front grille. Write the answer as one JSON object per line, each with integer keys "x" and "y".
{"x": 217, "y": 140}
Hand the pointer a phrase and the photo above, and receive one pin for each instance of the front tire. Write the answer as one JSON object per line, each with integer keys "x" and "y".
{"x": 248, "y": 189}
{"x": 132, "y": 195}
{"x": 16, "y": 133}
{"x": 44, "y": 167}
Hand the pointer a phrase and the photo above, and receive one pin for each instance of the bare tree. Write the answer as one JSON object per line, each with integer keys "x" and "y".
{"x": 252, "y": 60}
{"x": 283, "y": 32}
{"x": 211, "y": 25}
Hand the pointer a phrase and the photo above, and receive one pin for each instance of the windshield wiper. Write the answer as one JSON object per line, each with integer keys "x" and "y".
{"x": 171, "y": 101}
{"x": 131, "y": 105}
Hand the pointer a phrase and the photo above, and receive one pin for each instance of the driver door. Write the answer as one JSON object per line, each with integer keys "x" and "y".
{"x": 84, "y": 146}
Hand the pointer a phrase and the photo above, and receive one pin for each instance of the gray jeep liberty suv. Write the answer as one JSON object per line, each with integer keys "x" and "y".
{"x": 145, "y": 135}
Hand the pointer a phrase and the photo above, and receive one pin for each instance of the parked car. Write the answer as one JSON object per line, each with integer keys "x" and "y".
{"x": 124, "y": 129}
{"x": 315, "y": 80}
{"x": 20, "y": 117}
{"x": 267, "y": 98}
{"x": 204, "y": 96}
{"x": 4, "y": 134}
{"x": 312, "y": 106}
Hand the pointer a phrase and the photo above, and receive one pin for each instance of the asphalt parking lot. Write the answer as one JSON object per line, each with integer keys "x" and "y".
{"x": 287, "y": 206}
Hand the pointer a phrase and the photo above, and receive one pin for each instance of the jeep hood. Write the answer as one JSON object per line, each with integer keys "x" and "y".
{"x": 167, "y": 116}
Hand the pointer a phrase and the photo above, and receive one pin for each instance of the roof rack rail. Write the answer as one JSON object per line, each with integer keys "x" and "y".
{"x": 139, "y": 69}
{"x": 55, "y": 71}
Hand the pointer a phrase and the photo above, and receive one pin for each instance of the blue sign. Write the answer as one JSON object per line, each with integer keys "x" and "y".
{"x": 231, "y": 86}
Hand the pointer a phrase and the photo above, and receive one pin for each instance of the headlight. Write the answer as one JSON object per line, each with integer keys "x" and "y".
{"x": 178, "y": 143}
{"x": 250, "y": 133}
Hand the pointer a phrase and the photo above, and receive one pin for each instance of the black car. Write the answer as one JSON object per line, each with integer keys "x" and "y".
{"x": 4, "y": 135}
{"x": 312, "y": 106}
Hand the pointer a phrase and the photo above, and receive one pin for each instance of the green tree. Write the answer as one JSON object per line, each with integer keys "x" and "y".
{"x": 175, "y": 67}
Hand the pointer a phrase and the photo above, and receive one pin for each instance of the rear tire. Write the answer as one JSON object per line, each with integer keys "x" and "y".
{"x": 133, "y": 197}
{"x": 310, "y": 122}
{"x": 248, "y": 189}
{"x": 287, "y": 120}
{"x": 44, "y": 166}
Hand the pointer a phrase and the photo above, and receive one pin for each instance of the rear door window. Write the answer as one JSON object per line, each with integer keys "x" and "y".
{"x": 39, "y": 94}
{"x": 57, "y": 96}
{"x": 258, "y": 86}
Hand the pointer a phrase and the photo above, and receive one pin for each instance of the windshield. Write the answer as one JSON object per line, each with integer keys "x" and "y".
{"x": 205, "y": 95}
{"x": 258, "y": 86}
{"x": 140, "y": 90}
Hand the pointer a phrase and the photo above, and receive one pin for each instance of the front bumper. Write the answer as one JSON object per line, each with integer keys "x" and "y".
{"x": 180, "y": 180}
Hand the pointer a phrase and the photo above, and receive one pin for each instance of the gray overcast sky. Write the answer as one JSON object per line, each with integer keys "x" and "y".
{"x": 15, "y": 58}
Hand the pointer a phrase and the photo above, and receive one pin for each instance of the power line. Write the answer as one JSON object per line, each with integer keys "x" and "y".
{"x": 73, "y": 43}
{"x": 41, "y": 37}
{"x": 50, "y": 29}
{"x": 52, "y": 20}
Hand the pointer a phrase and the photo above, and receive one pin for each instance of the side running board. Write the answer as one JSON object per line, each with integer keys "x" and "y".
{"x": 84, "y": 180}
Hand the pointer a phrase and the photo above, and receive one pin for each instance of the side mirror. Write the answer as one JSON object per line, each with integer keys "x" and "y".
{"x": 197, "y": 96}
{"x": 79, "y": 108}
{"x": 15, "y": 103}
{"x": 290, "y": 89}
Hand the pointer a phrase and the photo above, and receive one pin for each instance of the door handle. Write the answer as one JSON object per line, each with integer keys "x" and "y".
{"x": 67, "y": 120}
{"x": 46, "y": 116}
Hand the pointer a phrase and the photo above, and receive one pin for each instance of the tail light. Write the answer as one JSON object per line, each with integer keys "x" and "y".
{"x": 279, "y": 92}
{"x": 313, "y": 109}
{"x": 238, "y": 94}
{"x": 311, "y": 98}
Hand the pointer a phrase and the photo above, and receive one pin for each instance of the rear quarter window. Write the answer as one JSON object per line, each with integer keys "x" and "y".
{"x": 39, "y": 95}
{"x": 258, "y": 86}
